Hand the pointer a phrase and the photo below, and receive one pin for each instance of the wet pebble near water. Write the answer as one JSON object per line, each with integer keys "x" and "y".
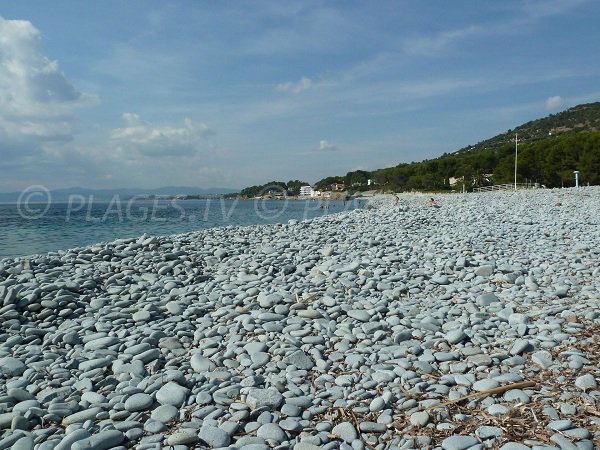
{"x": 341, "y": 332}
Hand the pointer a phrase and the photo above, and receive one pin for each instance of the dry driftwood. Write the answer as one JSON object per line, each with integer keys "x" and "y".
{"x": 494, "y": 391}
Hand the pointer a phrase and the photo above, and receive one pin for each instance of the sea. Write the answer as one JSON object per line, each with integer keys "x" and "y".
{"x": 38, "y": 228}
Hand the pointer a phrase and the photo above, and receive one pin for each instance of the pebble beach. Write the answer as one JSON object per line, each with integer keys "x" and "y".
{"x": 398, "y": 326}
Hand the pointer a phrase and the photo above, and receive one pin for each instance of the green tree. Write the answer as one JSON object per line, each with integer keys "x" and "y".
{"x": 357, "y": 178}
{"x": 325, "y": 183}
{"x": 294, "y": 186}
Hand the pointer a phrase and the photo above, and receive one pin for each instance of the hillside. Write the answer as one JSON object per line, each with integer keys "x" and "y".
{"x": 550, "y": 149}
{"x": 584, "y": 117}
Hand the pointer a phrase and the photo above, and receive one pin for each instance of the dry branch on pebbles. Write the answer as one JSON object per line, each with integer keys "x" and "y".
{"x": 473, "y": 325}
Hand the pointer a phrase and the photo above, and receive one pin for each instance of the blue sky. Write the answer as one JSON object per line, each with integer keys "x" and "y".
{"x": 234, "y": 93}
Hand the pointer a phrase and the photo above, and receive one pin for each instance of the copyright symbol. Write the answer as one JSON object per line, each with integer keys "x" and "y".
{"x": 267, "y": 211}
{"x": 34, "y": 201}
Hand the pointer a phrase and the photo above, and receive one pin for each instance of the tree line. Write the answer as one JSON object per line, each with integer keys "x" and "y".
{"x": 550, "y": 149}
{"x": 549, "y": 162}
{"x": 292, "y": 187}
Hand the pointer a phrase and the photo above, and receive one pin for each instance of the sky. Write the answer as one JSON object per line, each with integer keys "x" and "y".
{"x": 116, "y": 94}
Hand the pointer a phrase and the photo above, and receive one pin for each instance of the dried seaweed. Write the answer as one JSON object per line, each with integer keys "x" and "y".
{"x": 522, "y": 422}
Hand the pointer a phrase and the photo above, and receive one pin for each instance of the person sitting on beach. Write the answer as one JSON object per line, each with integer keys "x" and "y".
{"x": 432, "y": 202}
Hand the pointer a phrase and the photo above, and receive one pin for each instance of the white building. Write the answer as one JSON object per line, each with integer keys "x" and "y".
{"x": 306, "y": 191}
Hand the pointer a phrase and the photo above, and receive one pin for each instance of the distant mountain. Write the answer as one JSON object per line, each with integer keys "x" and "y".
{"x": 62, "y": 195}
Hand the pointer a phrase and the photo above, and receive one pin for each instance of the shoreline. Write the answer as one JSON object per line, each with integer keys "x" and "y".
{"x": 103, "y": 222}
{"x": 342, "y": 330}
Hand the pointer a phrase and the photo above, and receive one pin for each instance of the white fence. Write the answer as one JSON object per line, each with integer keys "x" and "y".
{"x": 507, "y": 187}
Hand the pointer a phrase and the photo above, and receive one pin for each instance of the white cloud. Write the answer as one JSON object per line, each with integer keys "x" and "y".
{"x": 521, "y": 16}
{"x": 36, "y": 99}
{"x": 433, "y": 44}
{"x": 539, "y": 9}
{"x": 554, "y": 103}
{"x": 296, "y": 87}
{"x": 325, "y": 146}
{"x": 162, "y": 141}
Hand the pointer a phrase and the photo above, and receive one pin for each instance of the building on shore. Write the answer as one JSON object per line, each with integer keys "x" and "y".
{"x": 453, "y": 181}
{"x": 478, "y": 180}
{"x": 307, "y": 191}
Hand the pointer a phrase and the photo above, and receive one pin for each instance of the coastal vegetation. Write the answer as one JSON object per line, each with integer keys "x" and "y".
{"x": 292, "y": 187}
{"x": 549, "y": 150}
{"x": 549, "y": 162}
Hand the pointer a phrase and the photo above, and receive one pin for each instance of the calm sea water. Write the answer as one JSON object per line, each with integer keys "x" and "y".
{"x": 40, "y": 228}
